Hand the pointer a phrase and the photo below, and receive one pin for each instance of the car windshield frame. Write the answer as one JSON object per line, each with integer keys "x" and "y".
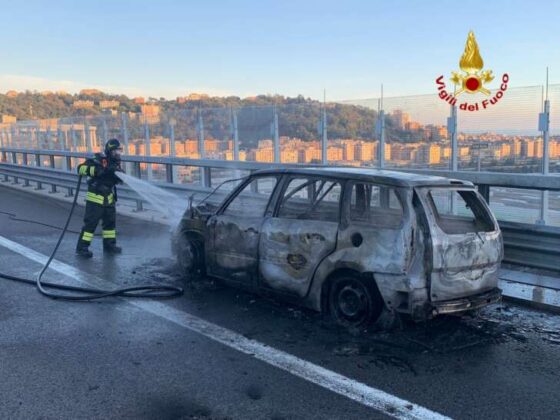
{"x": 250, "y": 178}
{"x": 199, "y": 207}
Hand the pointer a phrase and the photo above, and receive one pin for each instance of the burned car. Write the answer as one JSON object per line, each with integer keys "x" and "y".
{"x": 350, "y": 242}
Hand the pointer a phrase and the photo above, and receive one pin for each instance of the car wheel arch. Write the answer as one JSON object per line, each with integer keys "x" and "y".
{"x": 351, "y": 298}
{"x": 196, "y": 238}
{"x": 344, "y": 272}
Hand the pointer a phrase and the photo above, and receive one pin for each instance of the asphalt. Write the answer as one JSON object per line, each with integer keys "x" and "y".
{"x": 110, "y": 359}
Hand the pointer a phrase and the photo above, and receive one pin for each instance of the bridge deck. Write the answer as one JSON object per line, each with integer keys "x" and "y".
{"x": 144, "y": 359}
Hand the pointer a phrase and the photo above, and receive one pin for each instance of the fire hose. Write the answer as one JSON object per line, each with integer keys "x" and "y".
{"x": 86, "y": 293}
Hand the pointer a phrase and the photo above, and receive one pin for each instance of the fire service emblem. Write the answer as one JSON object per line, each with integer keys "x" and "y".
{"x": 471, "y": 79}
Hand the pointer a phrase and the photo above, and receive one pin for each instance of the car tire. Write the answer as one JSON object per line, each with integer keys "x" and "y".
{"x": 354, "y": 302}
{"x": 190, "y": 257}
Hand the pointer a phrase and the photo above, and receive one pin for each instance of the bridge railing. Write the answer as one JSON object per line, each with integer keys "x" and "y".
{"x": 67, "y": 161}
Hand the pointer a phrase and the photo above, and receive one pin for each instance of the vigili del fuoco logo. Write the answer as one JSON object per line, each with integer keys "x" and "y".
{"x": 471, "y": 80}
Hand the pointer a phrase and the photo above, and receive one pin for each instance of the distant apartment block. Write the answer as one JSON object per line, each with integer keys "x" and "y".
{"x": 8, "y": 119}
{"x": 108, "y": 104}
{"x": 82, "y": 104}
{"x": 150, "y": 113}
{"x": 400, "y": 119}
{"x": 429, "y": 154}
{"x": 229, "y": 155}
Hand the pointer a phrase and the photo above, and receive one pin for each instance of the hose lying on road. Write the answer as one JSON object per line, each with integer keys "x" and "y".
{"x": 13, "y": 216}
{"x": 142, "y": 291}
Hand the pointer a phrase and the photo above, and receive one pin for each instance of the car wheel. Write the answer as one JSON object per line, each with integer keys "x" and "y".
{"x": 354, "y": 302}
{"x": 190, "y": 257}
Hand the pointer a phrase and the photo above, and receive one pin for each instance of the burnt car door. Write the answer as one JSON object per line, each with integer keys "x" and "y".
{"x": 301, "y": 233}
{"x": 466, "y": 243}
{"x": 377, "y": 229}
{"x": 233, "y": 232}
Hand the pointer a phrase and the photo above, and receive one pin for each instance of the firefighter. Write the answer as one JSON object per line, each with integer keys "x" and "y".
{"x": 101, "y": 197}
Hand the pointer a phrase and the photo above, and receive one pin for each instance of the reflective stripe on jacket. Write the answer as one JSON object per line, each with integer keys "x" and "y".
{"x": 100, "y": 199}
{"x": 86, "y": 169}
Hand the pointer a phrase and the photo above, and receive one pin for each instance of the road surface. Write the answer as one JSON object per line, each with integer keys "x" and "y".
{"x": 220, "y": 353}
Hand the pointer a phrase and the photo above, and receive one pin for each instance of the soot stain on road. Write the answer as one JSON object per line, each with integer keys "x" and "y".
{"x": 171, "y": 409}
{"x": 254, "y": 392}
{"x": 399, "y": 349}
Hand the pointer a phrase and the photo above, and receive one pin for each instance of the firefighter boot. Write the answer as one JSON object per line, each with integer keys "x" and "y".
{"x": 82, "y": 250}
{"x": 83, "y": 243}
{"x": 110, "y": 247}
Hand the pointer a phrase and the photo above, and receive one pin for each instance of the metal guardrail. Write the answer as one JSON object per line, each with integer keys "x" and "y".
{"x": 526, "y": 244}
{"x": 531, "y": 245}
{"x": 67, "y": 180}
{"x": 531, "y": 181}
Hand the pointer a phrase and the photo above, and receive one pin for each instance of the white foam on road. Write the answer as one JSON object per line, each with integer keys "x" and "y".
{"x": 374, "y": 398}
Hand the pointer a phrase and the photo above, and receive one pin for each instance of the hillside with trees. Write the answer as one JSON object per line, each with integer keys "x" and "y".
{"x": 297, "y": 117}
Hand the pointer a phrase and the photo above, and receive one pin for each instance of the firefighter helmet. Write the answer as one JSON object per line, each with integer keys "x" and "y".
{"x": 112, "y": 144}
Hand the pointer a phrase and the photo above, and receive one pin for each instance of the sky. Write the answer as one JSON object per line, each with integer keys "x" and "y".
{"x": 246, "y": 47}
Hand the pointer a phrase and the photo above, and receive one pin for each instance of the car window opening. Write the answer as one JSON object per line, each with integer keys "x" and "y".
{"x": 313, "y": 199}
{"x": 460, "y": 211}
{"x": 376, "y": 206}
{"x": 252, "y": 201}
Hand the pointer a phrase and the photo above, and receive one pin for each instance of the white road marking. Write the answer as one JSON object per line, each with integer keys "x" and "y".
{"x": 377, "y": 399}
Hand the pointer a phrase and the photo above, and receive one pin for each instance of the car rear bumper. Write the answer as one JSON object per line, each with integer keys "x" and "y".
{"x": 467, "y": 303}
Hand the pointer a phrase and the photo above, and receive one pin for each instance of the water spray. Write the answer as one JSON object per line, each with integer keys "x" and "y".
{"x": 164, "y": 202}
